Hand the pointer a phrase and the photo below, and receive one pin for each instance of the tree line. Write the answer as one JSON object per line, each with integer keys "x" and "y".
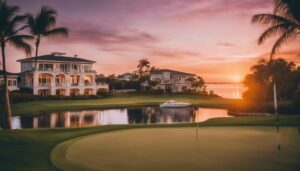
{"x": 276, "y": 79}
{"x": 141, "y": 77}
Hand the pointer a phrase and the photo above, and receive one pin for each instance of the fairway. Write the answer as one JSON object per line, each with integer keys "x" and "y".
{"x": 215, "y": 148}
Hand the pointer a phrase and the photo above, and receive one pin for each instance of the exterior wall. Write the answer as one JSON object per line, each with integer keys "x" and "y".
{"x": 12, "y": 82}
{"x": 56, "y": 80}
{"x": 176, "y": 83}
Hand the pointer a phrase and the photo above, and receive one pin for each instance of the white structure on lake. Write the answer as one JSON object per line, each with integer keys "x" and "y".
{"x": 171, "y": 80}
{"x": 59, "y": 75}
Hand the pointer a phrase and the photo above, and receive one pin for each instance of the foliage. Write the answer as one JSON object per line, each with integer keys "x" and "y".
{"x": 10, "y": 29}
{"x": 196, "y": 82}
{"x": 285, "y": 21}
{"x": 264, "y": 73}
{"x": 17, "y": 97}
{"x": 103, "y": 92}
{"x": 42, "y": 25}
{"x": 117, "y": 84}
{"x": 143, "y": 67}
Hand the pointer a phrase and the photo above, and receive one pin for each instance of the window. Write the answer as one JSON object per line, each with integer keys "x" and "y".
{"x": 9, "y": 83}
{"x": 45, "y": 67}
{"x": 64, "y": 67}
{"x": 75, "y": 67}
{"x": 14, "y": 83}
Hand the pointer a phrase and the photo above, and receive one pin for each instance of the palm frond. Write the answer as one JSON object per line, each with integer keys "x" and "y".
{"x": 288, "y": 8}
{"x": 6, "y": 14}
{"x": 292, "y": 32}
{"x": 45, "y": 19}
{"x": 59, "y": 31}
{"x": 15, "y": 22}
{"x": 273, "y": 30}
{"x": 269, "y": 19}
{"x": 19, "y": 42}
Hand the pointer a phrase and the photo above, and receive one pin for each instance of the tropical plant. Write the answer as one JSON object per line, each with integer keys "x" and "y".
{"x": 259, "y": 82}
{"x": 196, "y": 82}
{"x": 143, "y": 63}
{"x": 9, "y": 34}
{"x": 42, "y": 25}
{"x": 285, "y": 20}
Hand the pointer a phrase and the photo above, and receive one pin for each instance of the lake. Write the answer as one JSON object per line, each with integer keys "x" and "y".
{"x": 142, "y": 115}
{"x": 231, "y": 91}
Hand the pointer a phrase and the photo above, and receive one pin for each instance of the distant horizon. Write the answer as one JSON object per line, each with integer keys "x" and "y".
{"x": 188, "y": 36}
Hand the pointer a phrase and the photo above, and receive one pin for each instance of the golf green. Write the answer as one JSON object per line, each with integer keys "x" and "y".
{"x": 183, "y": 149}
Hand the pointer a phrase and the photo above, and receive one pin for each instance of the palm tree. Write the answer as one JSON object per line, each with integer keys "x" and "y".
{"x": 9, "y": 22}
{"x": 42, "y": 25}
{"x": 143, "y": 63}
{"x": 285, "y": 20}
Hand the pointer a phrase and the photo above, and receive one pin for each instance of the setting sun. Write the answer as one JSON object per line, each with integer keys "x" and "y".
{"x": 237, "y": 78}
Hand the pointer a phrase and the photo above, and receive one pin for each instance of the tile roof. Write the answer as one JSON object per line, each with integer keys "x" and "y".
{"x": 173, "y": 72}
{"x": 56, "y": 58}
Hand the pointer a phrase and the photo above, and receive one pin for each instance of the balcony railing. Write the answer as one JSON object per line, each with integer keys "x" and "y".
{"x": 89, "y": 71}
{"x": 45, "y": 84}
{"x": 45, "y": 69}
{"x": 88, "y": 84}
{"x": 60, "y": 84}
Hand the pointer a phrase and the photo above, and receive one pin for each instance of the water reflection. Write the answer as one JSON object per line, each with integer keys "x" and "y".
{"x": 231, "y": 91}
{"x": 144, "y": 115}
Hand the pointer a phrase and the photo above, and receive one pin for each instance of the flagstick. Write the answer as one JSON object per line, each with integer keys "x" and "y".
{"x": 276, "y": 113}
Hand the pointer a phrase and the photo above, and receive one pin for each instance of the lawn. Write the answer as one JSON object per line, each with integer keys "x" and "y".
{"x": 121, "y": 100}
{"x": 181, "y": 149}
{"x": 30, "y": 149}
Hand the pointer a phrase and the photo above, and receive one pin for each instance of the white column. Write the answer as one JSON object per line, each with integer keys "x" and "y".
{"x": 35, "y": 83}
{"x": 81, "y": 90}
{"x": 53, "y": 87}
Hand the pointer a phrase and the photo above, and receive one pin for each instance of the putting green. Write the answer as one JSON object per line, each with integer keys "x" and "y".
{"x": 217, "y": 148}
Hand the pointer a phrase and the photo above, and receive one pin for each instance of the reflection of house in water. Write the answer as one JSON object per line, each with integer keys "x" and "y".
{"x": 174, "y": 115}
{"x": 112, "y": 117}
{"x": 160, "y": 115}
{"x": 80, "y": 119}
{"x": 61, "y": 119}
{"x": 141, "y": 115}
{"x": 144, "y": 115}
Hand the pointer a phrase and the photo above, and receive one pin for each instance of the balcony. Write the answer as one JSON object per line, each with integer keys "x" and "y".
{"x": 74, "y": 84}
{"x": 89, "y": 71}
{"x": 45, "y": 69}
{"x": 60, "y": 84}
{"x": 45, "y": 84}
{"x": 88, "y": 83}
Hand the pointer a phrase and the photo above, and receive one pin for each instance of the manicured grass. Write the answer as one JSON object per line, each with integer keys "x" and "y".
{"x": 179, "y": 149}
{"x": 30, "y": 149}
{"x": 122, "y": 100}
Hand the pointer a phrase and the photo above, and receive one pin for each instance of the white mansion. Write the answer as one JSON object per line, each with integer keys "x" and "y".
{"x": 171, "y": 80}
{"x": 59, "y": 75}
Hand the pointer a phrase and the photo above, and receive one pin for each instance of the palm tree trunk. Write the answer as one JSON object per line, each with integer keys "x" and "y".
{"x": 275, "y": 101}
{"x": 6, "y": 117}
{"x": 37, "y": 43}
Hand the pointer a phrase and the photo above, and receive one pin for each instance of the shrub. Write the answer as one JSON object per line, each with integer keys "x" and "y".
{"x": 103, "y": 92}
{"x": 25, "y": 97}
{"x": 26, "y": 90}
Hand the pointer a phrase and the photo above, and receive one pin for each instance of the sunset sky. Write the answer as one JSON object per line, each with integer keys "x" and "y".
{"x": 212, "y": 38}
